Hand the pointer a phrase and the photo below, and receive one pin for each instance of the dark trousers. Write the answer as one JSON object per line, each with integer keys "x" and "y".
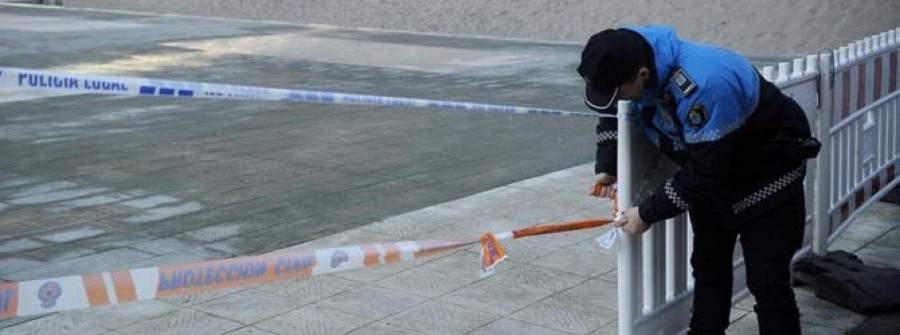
{"x": 769, "y": 241}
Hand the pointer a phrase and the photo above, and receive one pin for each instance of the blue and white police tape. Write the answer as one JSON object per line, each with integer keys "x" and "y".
{"x": 37, "y": 80}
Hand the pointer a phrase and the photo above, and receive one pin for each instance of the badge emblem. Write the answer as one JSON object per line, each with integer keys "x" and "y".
{"x": 48, "y": 293}
{"x": 683, "y": 82}
{"x": 697, "y": 116}
{"x": 338, "y": 257}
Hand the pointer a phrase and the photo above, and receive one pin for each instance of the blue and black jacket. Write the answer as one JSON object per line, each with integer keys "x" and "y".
{"x": 734, "y": 134}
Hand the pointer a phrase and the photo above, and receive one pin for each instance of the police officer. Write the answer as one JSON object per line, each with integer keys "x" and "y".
{"x": 741, "y": 145}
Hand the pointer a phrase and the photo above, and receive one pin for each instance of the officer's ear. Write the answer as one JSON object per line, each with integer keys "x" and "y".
{"x": 644, "y": 73}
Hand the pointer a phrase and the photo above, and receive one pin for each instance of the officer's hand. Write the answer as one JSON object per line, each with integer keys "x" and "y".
{"x": 631, "y": 222}
{"x": 604, "y": 187}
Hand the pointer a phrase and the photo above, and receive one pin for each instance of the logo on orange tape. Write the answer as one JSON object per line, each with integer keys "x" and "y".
{"x": 338, "y": 257}
{"x": 48, "y": 293}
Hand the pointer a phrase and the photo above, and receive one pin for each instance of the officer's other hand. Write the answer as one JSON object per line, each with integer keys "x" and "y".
{"x": 631, "y": 222}
{"x": 604, "y": 186}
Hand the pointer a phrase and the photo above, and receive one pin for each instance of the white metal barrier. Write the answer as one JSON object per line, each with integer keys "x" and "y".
{"x": 853, "y": 105}
{"x": 859, "y": 130}
{"x": 655, "y": 285}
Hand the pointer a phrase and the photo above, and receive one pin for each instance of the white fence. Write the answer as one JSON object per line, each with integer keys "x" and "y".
{"x": 859, "y": 130}
{"x": 853, "y": 105}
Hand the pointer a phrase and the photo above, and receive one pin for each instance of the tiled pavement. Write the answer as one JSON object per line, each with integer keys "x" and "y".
{"x": 556, "y": 284}
{"x": 94, "y": 182}
{"x": 91, "y": 183}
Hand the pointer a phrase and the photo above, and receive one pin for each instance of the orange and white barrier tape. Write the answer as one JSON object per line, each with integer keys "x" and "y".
{"x": 492, "y": 253}
{"x": 42, "y": 296}
{"x": 607, "y": 240}
{"x": 108, "y": 288}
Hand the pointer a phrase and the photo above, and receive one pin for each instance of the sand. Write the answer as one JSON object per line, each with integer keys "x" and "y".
{"x": 750, "y": 26}
{"x": 753, "y": 27}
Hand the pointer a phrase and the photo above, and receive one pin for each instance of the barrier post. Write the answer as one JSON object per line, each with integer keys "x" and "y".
{"x": 653, "y": 276}
{"x": 784, "y": 72}
{"x": 629, "y": 245}
{"x": 798, "y": 68}
{"x": 676, "y": 257}
{"x": 654, "y": 267}
{"x": 823, "y": 161}
{"x": 844, "y": 56}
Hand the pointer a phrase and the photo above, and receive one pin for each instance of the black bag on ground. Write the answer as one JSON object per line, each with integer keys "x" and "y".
{"x": 840, "y": 277}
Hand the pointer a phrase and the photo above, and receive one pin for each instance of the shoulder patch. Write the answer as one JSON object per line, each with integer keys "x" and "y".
{"x": 697, "y": 117}
{"x": 684, "y": 83}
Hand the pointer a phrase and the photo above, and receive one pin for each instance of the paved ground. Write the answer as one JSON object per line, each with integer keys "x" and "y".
{"x": 90, "y": 183}
{"x": 558, "y": 284}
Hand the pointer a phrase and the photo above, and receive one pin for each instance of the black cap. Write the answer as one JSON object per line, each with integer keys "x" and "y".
{"x": 607, "y": 61}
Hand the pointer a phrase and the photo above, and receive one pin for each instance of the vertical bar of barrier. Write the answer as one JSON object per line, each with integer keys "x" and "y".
{"x": 823, "y": 162}
{"x": 812, "y": 65}
{"x": 836, "y": 165}
{"x": 676, "y": 257}
{"x": 884, "y": 136}
{"x": 860, "y": 49}
{"x": 858, "y": 138}
{"x": 856, "y": 89}
{"x": 892, "y": 137}
{"x": 882, "y": 73}
{"x": 628, "y": 259}
{"x": 884, "y": 66}
{"x": 867, "y": 132}
{"x": 846, "y": 158}
{"x": 812, "y": 111}
{"x": 841, "y": 173}
{"x": 855, "y": 159}
{"x": 659, "y": 258}
{"x": 893, "y": 44}
{"x": 869, "y": 80}
{"x": 853, "y": 129}
{"x": 769, "y": 73}
{"x": 685, "y": 247}
{"x": 798, "y": 68}
{"x": 894, "y": 149}
{"x": 653, "y": 267}
{"x": 648, "y": 251}
{"x": 671, "y": 259}
{"x": 783, "y": 72}
{"x": 895, "y": 143}
{"x": 880, "y": 139}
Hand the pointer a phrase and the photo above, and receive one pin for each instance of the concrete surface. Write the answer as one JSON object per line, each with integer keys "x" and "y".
{"x": 91, "y": 183}
{"x": 557, "y": 284}
{"x": 168, "y": 180}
